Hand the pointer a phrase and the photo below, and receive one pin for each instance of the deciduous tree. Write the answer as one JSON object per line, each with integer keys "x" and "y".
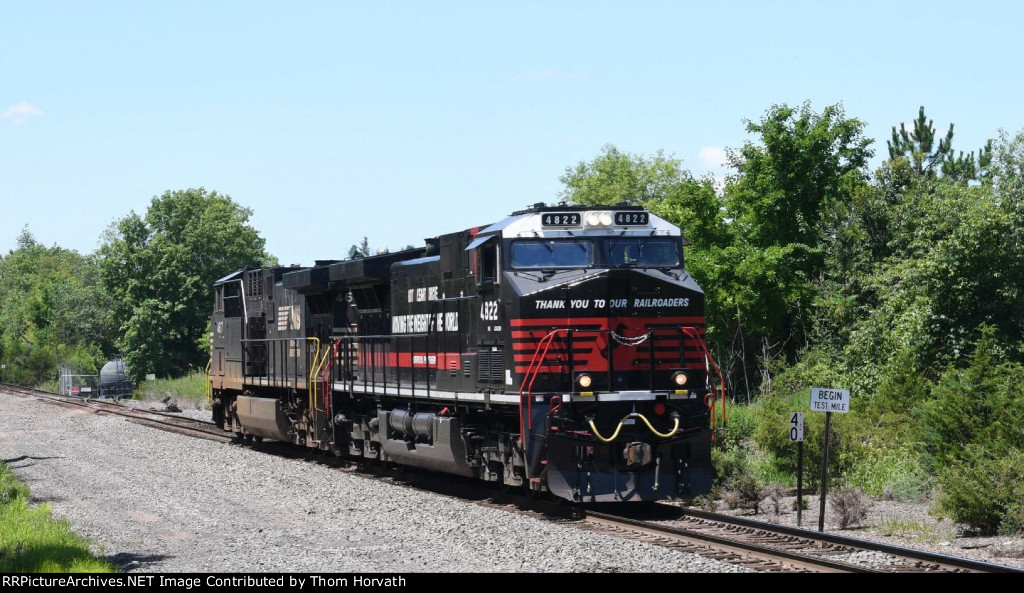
{"x": 160, "y": 269}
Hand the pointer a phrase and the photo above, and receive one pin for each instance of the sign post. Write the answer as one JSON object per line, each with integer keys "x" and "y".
{"x": 828, "y": 400}
{"x": 796, "y": 433}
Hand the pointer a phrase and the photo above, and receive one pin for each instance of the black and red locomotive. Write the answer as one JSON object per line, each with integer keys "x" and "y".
{"x": 561, "y": 349}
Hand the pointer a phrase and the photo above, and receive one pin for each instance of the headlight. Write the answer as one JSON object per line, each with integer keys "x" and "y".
{"x": 597, "y": 218}
{"x": 679, "y": 378}
{"x": 584, "y": 380}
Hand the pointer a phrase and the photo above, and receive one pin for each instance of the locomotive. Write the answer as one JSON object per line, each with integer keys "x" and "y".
{"x": 559, "y": 350}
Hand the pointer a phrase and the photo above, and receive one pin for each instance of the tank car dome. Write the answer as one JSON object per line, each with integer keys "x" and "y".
{"x": 113, "y": 372}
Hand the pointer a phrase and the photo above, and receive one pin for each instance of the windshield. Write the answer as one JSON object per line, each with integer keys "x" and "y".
{"x": 641, "y": 252}
{"x": 538, "y": 254}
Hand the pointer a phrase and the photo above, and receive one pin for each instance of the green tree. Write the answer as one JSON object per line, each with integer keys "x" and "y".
{"x": 804, "y": 165}
{"x": 954, "y": 261}
{"x": 658, "y": 183}
{"x": 788, "y": 204}
{"x": 928, "y": 160}
{"x": 53, "y": 310}
{"x": 159, "y": 270}
{"x": 918, "y": 145}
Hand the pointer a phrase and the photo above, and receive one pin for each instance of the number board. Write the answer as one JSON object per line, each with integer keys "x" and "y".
{"x": 561, "y": 219}
{"x": 631, "y": 218}
{"x": 796, "y": 427}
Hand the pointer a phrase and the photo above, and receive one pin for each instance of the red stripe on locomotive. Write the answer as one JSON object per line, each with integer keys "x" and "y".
{"x": 419, "y": 360}
{"x": 590, "y": 343}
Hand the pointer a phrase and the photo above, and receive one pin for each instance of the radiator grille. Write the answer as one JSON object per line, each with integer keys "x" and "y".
{"x": 490, "y": 365}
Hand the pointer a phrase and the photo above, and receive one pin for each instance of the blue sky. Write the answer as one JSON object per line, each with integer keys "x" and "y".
{"x": 403, "y": 120}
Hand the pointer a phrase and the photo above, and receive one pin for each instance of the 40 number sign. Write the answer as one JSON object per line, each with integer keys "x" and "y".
{"x": 796, "y": 427}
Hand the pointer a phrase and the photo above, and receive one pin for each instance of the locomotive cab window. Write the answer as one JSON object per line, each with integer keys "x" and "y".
{"x": 232, "y": 299}
{"x": 641, "y": 252}
{"x": 540, "y": 254}
{"x": 487, "y": 255}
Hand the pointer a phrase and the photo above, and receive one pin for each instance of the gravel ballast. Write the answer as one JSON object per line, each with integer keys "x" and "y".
{"x": 155, "y": 501}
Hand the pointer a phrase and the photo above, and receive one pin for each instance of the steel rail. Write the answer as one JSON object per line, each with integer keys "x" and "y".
{"x": 760, "y": 551}
{"x": 943, "y": 560}
{"x": 179, "y": 423}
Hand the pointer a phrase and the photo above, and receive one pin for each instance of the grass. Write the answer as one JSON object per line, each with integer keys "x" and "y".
{"x": 896, "y": 470}
{"x": 32, "y": 541}
{"x": 765, "y": 470}
{"x": 912, "y": 530}
{"x": 190, "y": 388}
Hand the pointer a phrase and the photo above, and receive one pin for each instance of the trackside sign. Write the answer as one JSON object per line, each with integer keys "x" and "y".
{"x": 826, "y": 399}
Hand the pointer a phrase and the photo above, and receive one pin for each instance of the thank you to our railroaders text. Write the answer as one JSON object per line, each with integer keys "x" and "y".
{"x": 293, "y": 582}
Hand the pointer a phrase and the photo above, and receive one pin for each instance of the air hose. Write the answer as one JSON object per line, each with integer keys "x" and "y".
{"x": 622, "y": 423}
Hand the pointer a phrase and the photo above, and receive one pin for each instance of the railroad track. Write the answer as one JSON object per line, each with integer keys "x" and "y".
{"x": 753, "y": 544}
{"x": 152, "y": 418}
{"x": 769, "y": 547}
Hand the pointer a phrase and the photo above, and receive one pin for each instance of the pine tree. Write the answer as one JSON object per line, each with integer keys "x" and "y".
{"x": 917, "y": 146}
{"x": 928, "y": 160}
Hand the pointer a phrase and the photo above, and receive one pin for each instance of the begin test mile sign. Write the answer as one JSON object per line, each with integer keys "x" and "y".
{"x": 825, "y": 399}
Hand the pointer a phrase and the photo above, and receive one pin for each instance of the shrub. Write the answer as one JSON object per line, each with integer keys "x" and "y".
{"x": 729, "y": 463}
{"x": 977, "y": 405}
{"x": 707, "y": 502}
{"x": 984, "y": 490}
{"x": 746, "y": 491}
{"x": 742, "y": 420}
{"x": 775, "y": 494}
{"x": 973, "y": 432}
{"x": 730, "y": 499}
{"x": 850, "y": 506}
{"x": 913, "y": 487}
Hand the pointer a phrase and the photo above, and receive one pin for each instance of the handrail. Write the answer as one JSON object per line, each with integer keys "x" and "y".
{"x": 311, "y": 385}
{"x": 534, "y": 369}
{"x": 209, "y": 385}
{"x": 327, "y": 369}
{"x": 544, "y": 345}
{"x": 318, "y": 376}
{"x": 531, "y": 374}
{"x": 692, "y": 332}
{"x": 290, "y": 375}
{"x": 377, "y": 358}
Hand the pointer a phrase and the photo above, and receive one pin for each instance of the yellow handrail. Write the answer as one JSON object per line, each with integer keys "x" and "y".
{"x": 209, "y": 385}
{"x": 312, "y": 387}
{"x": 622, "y": 423}
{"x": 319, "y": 366}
